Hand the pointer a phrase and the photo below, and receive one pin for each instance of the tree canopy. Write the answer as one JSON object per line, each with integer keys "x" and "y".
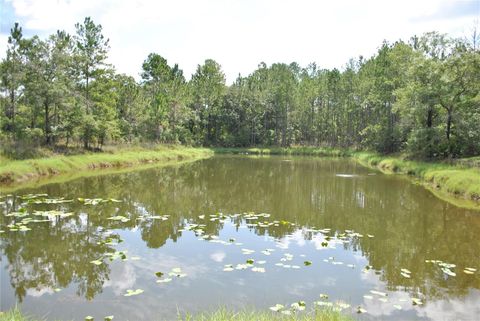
{"x": 420, "y": 96}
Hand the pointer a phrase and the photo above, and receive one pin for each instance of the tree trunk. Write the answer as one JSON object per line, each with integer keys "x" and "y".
{"x": 47, "y": 123}
{"x": 449, "y": 123}
{"x": 430, "y": 117}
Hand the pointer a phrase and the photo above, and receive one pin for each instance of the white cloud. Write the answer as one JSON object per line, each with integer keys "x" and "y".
{"x": 218, "y": 256}
{"x": 122, "y": 277}
{"x": 241, "y": 33}
{"x": 39, "y": 292}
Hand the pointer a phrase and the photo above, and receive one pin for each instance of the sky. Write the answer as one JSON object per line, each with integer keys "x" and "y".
{"x": 239, "y": 34}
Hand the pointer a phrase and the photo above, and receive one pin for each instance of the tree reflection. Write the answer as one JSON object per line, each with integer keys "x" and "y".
{"x": 409, "y": 224}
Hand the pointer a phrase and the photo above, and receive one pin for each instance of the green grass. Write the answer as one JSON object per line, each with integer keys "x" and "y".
{"x": 254, "y": 315}
{"x": 457, "y": 182}
{"x": 14, "y": 315}
{"x": 222, "y": 314}
{"x": 18, "y": 171}
{"x": 306, "y": 151}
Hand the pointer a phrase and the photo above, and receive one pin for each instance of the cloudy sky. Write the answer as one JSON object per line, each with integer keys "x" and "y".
{"x": 241, "y": 33}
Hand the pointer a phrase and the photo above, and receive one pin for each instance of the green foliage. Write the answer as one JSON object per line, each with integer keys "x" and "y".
{"x": 420, "y": 97}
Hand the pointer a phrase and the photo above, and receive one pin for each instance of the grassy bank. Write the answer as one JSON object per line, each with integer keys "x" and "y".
{"x": 457, "y": 182}
{"x": 19, "y": 171}
{"x": 305, "y": 151}
{"x": 223, "y": 315}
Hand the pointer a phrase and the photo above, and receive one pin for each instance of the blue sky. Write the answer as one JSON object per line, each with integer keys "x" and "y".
{"x": 239, "y": 34}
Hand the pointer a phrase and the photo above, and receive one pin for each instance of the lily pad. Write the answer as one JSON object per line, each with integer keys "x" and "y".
{"x": 298, "y": 306}
{"x": 405, "y": 275}
{"x": 378, "y": 293}
{"x": 120, "y": 218}
{"x": 166, "y": 280}
{"x": 416, "y": 301}
{"x": 277, "y": 307}
{"x": 258, "y": 269}
{"x": 133, "y": 292}
{"x": 361, "y": 310}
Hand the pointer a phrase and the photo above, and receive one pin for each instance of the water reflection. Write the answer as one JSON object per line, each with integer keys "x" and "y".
{"x": 303, "y": 196}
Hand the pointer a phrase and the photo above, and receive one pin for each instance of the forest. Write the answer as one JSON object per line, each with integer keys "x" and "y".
{"x": 419, "y": 97}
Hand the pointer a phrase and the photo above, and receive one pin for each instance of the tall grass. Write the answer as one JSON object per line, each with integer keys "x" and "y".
{"x": 14, "y": 315}
{"x": 222, "y": 314}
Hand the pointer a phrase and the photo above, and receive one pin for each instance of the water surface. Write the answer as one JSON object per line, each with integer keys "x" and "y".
{"x": 357, "y": 228}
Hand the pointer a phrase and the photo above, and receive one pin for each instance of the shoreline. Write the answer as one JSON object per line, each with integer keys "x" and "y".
{"x": 457, "y": 184}
{"x": 18, "y": 174}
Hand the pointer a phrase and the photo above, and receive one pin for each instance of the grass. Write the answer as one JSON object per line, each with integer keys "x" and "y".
{"x": 223, "y": 314}
{"x": 306, "y": 151}
{"x": 254, "y": 315}
{"x": 18, "y": 171}
{"x": 457, "y": 182}
{"x": 460, "y": 181}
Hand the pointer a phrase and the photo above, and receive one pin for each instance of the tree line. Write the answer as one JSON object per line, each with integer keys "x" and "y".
{"x": 420, "y": 96}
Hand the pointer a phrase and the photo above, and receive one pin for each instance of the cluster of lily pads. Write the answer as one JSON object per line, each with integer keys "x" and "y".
{"x": 175, "y": 272}
{"x": 37, "y": 216}
{"x": 322, "y": 303}
{"x": 112, "y": 256}
{"x": 339, "y": 305}
{"x": 262, "y": 220}
{"x": 447, "y": 268}
{"x": 329, "y": 241}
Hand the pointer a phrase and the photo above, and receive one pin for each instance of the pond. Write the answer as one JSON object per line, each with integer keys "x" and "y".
{"x": 241, "y": 232}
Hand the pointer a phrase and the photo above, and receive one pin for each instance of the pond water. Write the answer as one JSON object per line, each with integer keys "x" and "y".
{"x": 240, "y": 232}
